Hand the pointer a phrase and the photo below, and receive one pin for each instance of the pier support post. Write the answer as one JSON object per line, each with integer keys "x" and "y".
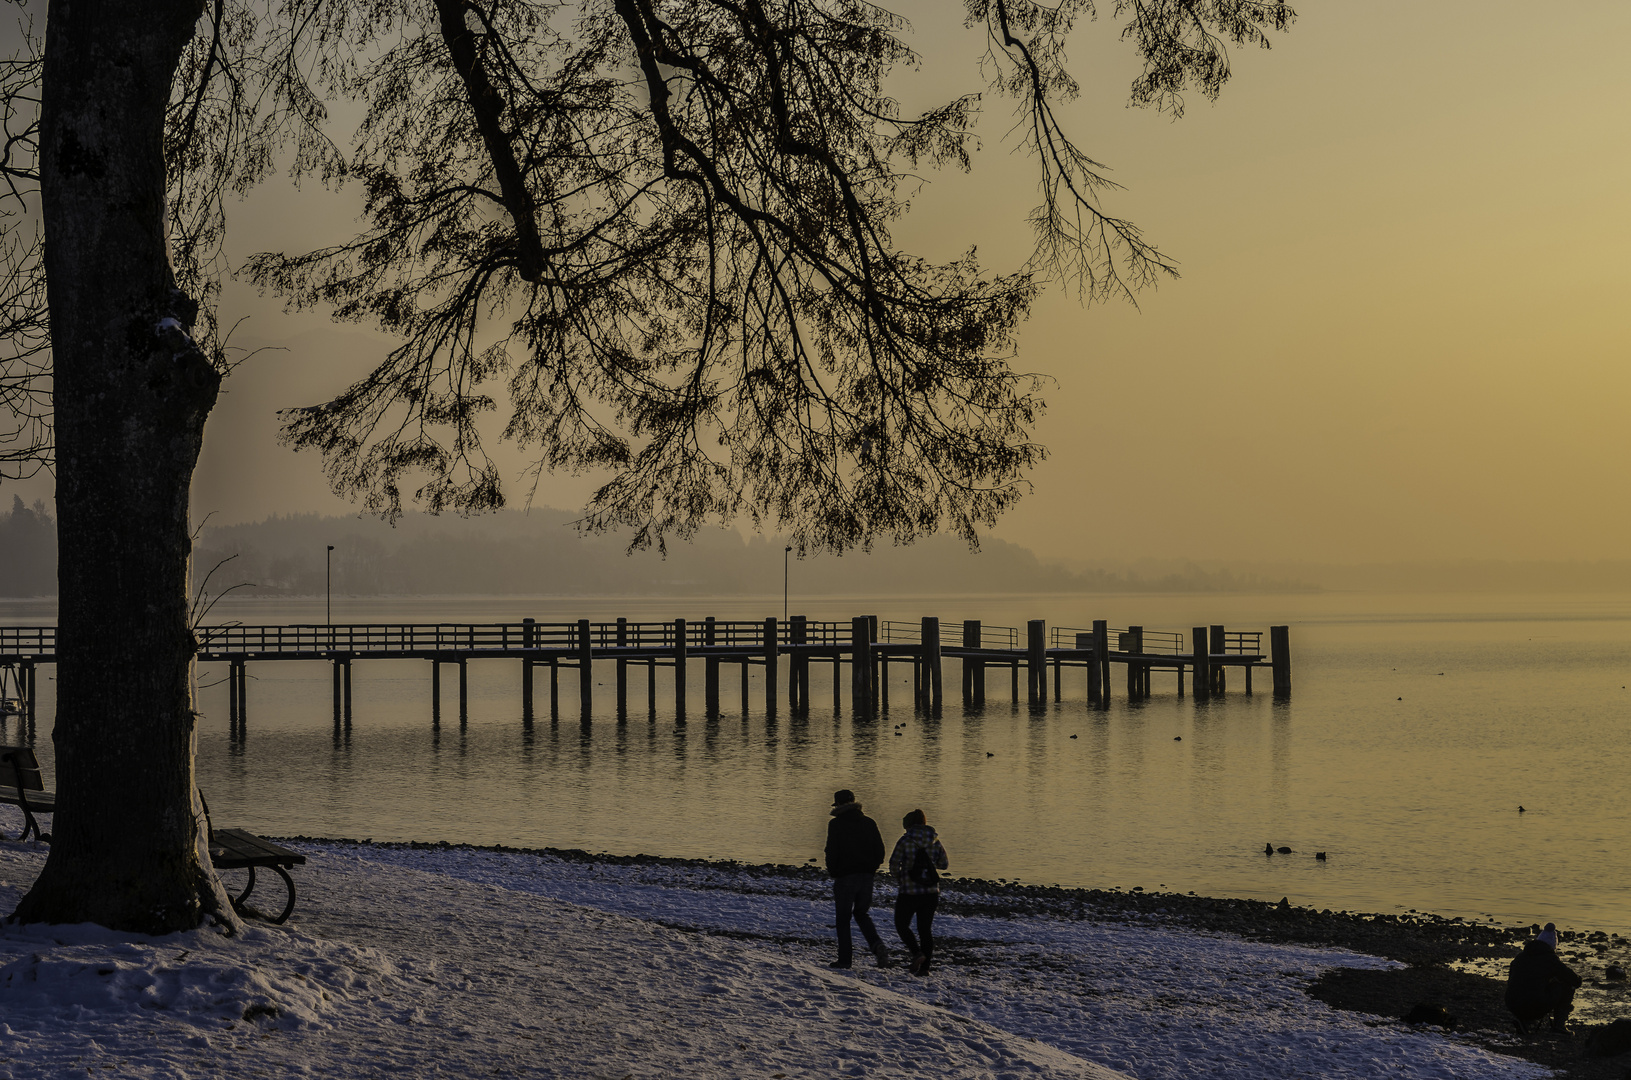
{"x": 464, "y": 688}
{"x": 622, "y": 668}
{"x": 931, "y": 662}
{"x": 679, "y": 670}
{"x": 860, "y": 665}
{"x": 971, "y": 640}
{"x": 435, "y": 690}
{"x": 232, "y": 695}
{"x": 1280, "y": 659}
{"x": 529, "y": 640}
{"x": 798, "y": 668}
{"x": 1084, "y": 643}
{"x": 772, "y": 666}
{"x": 30, "y": 686}
{"x": 554, "y": 687}
{"x": 710, "y": 670}
{"x": 586, "y": 670}
{"x": 1219, "y": 672}
{"x": 1135, "y": 680}
{"x": 337, "y": 701}
{"x": 1200, "y": 639}
{"x": 243, "y": 693}
{"x": 1036, "y": 661}
{"x": 651, "y": 688}
{"x": 1101, "y": 660}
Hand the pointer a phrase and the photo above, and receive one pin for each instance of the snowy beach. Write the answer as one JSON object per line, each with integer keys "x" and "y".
{"x": 446, "y": 961}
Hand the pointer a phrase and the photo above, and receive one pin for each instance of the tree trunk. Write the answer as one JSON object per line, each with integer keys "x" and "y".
{"x": 131, "y": 396}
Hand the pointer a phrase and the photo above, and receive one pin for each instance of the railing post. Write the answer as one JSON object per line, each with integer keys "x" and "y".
{"x": 1280, "y": 659}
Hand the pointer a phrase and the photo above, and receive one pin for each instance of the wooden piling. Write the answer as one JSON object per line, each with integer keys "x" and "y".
{"x": 710, "y": 670}
{"x": 1219, "y": 671}
{"x": 1135, "y": 644}
{"x": 798, "y": 669}
{"x": 1036, "y": 659}
{"x": 622, "y": 668}
{"x": 337, "y": 701}
{"x": 586, "y": 669}
{"x": 1280, "y": 659}
{"x": 554, "y": 687}
{"x": 931, "y": 660}
{"x": 464, "y": 688}
{"x": 1101, "y": 661}
{"x": 679, "y": 669}
{"x": 347, "y": 663}
{"x": 773, "y": 653}
{"x": 860, "y": 666}
{"x": 435, "y": 690}
{"x": 1200, "y": 641}
{"x": 651, "y": 688}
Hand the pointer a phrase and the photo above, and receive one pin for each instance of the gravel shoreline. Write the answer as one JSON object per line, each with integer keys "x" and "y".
{"x": 1449, "y": 962}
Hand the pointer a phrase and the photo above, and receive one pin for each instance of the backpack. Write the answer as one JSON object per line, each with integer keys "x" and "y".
{"x": 922, "y": 871}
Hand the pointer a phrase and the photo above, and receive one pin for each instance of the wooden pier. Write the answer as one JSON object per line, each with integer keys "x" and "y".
{"x": 867, "y": 647}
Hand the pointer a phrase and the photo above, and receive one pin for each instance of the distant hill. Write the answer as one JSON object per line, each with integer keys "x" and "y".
{"x": 539, "y": 552}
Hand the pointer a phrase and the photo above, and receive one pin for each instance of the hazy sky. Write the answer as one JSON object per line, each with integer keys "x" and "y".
{"x": 1401, "y": 330}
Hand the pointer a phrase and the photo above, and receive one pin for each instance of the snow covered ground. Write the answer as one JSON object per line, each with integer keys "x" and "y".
{"x": 478, "y": 963}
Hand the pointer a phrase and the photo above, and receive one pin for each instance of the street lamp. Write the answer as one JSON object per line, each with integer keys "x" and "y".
{"x": 785, "y": 552}
{"x": 328, "y": 583}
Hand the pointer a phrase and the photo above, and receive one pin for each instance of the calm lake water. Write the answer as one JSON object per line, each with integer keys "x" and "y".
{"x": 1417, "y": 727}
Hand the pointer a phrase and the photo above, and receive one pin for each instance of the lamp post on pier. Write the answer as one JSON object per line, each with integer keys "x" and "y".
{"x": 328, "y": 584}
{"x": 786, "y": 552}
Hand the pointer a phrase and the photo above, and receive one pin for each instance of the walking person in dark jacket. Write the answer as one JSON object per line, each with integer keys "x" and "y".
{"x": 1538, "y": 982}
{"x": 854, "y": 850}
{"x": 917, "y": 859}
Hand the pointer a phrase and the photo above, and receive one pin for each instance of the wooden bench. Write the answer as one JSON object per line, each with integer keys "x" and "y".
{"x": 230, "y": 849}
{"x": 26, "y": 788}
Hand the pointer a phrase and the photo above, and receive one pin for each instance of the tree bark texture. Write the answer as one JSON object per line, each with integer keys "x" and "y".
{"x": 132, "y": 392}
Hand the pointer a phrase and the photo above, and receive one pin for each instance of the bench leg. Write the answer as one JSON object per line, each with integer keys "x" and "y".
{"x": 288, "y": 884}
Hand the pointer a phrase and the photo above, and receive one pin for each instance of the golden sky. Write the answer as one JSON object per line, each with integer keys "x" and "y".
{"x": 1401, "y": 332}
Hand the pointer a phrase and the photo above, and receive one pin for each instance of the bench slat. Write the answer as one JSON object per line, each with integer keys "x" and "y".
{"x": 43, "y": 801}
{"x": 234, "y": 848}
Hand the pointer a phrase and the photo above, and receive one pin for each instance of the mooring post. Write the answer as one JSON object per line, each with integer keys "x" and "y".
{"x": 931, "y": 658}
{"x": 798, "y": 668}
{"x": 1036, "y": 660}
{"x": 1135, "y": 643}
{"x": 971, "y": 640}
{"x": 586, "y": 669}
{"x": 1219, "y": 671}
{"x": 773, "y": 654}
{"x": 679, "y": 670}
{"x": 622, "y": 667}
{"x": 1101, "y": 662}
{"x": 1201, "y": 640}
{"x": 1058, "y": 677}
{"x": 1280, "y": 659}
{"x": 710, "y": 670}
{"x": 860, "y": 665}
{"x": 529, "y": 638}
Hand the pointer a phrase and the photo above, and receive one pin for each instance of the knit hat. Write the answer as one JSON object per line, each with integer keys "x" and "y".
{"x": 1548, "y": 936}
{"x": 915, "y": 817}
{"x": 839, "y": 798}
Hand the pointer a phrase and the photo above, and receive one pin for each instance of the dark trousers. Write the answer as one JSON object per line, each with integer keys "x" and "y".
{"x": 1554, "y": 998}
{"x": 852, "y": 896}
{"x": 922, "y": 905}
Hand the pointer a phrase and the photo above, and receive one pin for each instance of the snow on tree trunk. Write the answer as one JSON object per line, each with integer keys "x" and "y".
{"x": 131, "y": 396}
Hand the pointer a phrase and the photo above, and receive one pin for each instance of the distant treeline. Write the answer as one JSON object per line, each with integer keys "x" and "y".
{"x": 540, "y": 553}
{"x": 28, "y": 551}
